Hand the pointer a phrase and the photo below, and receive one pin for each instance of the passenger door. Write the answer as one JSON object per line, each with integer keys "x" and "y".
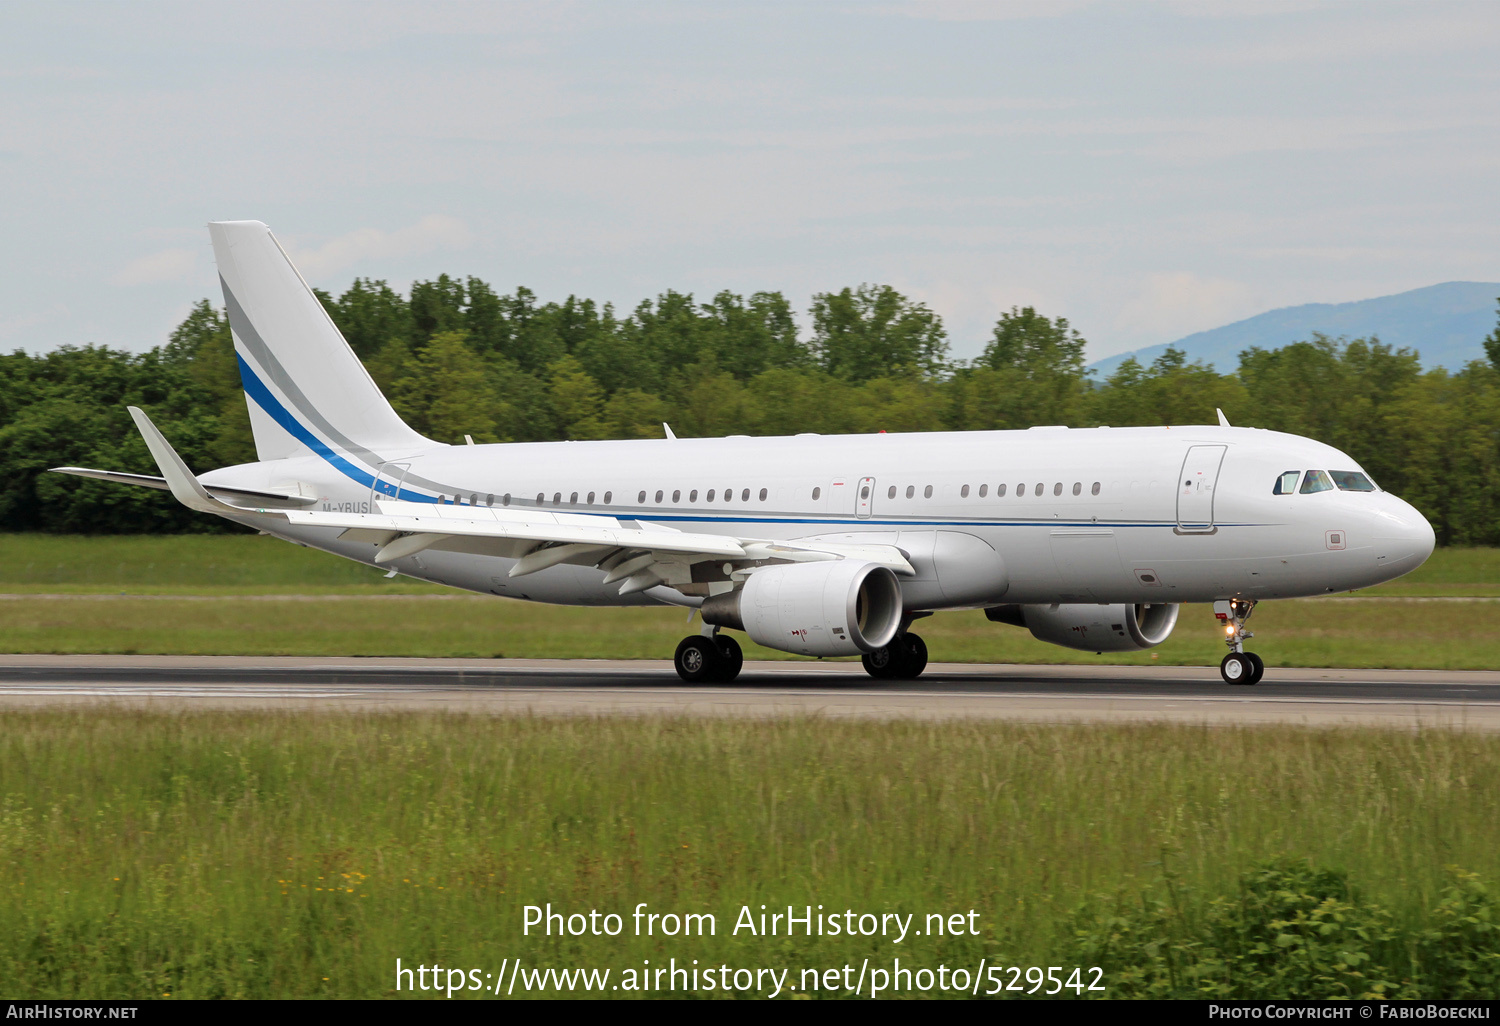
{"x": 1195, "y": 488}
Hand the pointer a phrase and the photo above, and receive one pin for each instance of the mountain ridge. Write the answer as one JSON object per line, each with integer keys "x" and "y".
{"x": 1446, "y": 323}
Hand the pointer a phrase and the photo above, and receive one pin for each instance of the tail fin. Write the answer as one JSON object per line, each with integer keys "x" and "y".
{"x": 307, "y": 391}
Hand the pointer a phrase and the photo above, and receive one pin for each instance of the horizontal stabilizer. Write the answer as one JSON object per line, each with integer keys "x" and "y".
{"x": 249, "y": 496}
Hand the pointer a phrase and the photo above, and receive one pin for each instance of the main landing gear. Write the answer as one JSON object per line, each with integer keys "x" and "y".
{"x": 903, "y": 659}
{"x": 1239, "y": 666}
{"x": 709, "y": 658}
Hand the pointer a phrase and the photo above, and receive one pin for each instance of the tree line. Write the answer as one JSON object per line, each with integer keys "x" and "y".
{"x": 456, "y": 357}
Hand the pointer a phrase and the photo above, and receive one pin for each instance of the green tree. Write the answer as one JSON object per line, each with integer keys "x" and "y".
{"x": 444, "y": 392}
{"x": 1492, "y": 346}
{"x": 370, "y": 314}
{"x": 873, "y": 332}
{"x": 577, "y": 400}
{"x": 1170, "y": 391}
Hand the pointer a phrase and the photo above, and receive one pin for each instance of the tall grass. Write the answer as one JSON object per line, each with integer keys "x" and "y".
{"x": 263, "y": 854}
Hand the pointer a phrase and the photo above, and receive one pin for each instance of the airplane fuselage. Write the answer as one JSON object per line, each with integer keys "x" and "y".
{"x": 1048, "y": 515}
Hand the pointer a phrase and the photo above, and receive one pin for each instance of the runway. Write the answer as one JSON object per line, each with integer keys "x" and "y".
{"x": 589, "y": 687}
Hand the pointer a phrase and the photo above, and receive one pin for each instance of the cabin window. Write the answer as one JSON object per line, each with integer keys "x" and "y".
{"x": 1077, "y": 487}
{"x": 541, "y": 500}
{"x": 891, "y": 492}
{"x": 489, "y": 500}
{"x": 1352, "y": 481}
{"x": 591, "y": 498}
{"x": 744, "y": 495}
{"x": 864, "y": 492}
{"x": 693, "y": 495}
{"x": 607, "y": 497}
{"x": 1094, "y": 490}
{"x": 710, "y": 496}
{"x": 658, "y": 495}
{"x": 963, "y": 492}
{"x": 984, "y": 490}
{"x": 676, "y": 495}
{"x": 573, "y": 499}
{"x": 817, "y": 492}
{"x": 1057, "y": 488}
{"x": 927, "y": 492}
{"x": 1315, "y": 481}
{"x": 557, "y": 498}
{"x": 911, "y": 490}
{"x": 1021, "y": 489}
{"x": 999, "y": 491}
{"x": 641, "y": 497}
{"x": 474, "y": 499}
{"x": 1041, "y": 488}
{"x": 763, "y": 494}
{"x": 505, "y": 499}
{"x": 729, "y": 495}
{"x": 1286, "y": 484}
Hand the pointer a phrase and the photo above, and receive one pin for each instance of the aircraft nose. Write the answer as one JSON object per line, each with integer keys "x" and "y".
{"x": 1405, "y": 539}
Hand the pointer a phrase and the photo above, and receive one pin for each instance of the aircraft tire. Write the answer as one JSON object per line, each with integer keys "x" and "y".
{"x": 880, "y": 663}
{"x": 698, "y": 660}
{"x": 903, "y": 659}
{"x": 1237, "y": 669}
{"x": 731, "y": 658}
{"x": 1260, "y": 667}
{"x": 913, "y": 656}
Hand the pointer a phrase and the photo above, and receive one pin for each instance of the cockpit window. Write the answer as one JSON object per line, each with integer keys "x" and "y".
{"x": 1352, "y": 481}
{"x": 1316, "y": 481}
{"x": 1286, "y": 484}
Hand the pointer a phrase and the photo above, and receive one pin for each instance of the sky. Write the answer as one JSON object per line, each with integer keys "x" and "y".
{"x": 1145, "y": 170}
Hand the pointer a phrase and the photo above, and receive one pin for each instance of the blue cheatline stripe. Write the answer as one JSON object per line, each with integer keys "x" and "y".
{"x": 257, "y": 390}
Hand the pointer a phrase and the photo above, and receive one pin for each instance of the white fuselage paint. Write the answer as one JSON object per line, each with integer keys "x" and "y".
{"x": 1146, "y": 536}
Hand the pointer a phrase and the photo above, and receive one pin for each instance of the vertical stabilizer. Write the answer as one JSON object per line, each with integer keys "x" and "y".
{"x": 307, "y": 391}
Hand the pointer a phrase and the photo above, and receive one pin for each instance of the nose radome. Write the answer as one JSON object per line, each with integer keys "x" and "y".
{"x": 1405, "y": 540}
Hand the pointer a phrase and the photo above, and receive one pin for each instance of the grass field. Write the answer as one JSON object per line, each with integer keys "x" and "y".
{"x": 229, "y": 595}
{"x": 240, "y": 854}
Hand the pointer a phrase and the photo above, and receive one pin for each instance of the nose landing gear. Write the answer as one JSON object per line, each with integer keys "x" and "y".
{"x": 1239, "y": 666}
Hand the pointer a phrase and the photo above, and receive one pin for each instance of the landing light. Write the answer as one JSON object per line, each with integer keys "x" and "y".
{"x": 1229, "y": 629}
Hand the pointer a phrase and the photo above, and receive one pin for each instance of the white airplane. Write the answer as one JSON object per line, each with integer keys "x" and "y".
{"x": 815, "y": 545}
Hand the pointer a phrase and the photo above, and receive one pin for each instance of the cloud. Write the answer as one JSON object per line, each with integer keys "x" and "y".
{"x": 431, "y": 233}
{"x": 1170, "y": 306}
{"x": 168, "y": 265}
{"x": 979, "y": 10}
{"x": 15, "y": 326}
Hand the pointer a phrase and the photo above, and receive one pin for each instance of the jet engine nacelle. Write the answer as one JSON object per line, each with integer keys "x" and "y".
{"x": 832, "y": 608}
{"x": 1093, "y": 628}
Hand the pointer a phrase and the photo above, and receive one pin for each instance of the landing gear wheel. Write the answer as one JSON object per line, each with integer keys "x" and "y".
{"x": 1237, "y": 668}
{"x": 1260, "y": 667}
{"x": 698, "y": 660}
{"x": 903, "y": 659}
{"x": 731, "y": 658}
{"x": 880, "y": 663}
{"x": 914, "y": 656}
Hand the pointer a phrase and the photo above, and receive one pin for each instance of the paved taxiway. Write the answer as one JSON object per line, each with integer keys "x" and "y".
{"x": 589, "y": 687}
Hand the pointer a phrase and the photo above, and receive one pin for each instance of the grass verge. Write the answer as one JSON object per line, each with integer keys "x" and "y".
{"x": 1436, "y": 634}
{"x": 279, "y": 855}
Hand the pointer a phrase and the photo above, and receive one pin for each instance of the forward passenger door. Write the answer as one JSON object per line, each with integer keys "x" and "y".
{"x": 1195, "y": 488}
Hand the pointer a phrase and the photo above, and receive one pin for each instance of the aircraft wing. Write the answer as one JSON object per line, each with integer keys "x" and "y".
{"x": 250, "y": 496}
{"x": 638, "y": 553}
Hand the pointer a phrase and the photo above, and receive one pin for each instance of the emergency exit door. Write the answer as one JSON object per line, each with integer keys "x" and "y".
{"x": 1195, "y": 488}
{"x": 864, "y": 497}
